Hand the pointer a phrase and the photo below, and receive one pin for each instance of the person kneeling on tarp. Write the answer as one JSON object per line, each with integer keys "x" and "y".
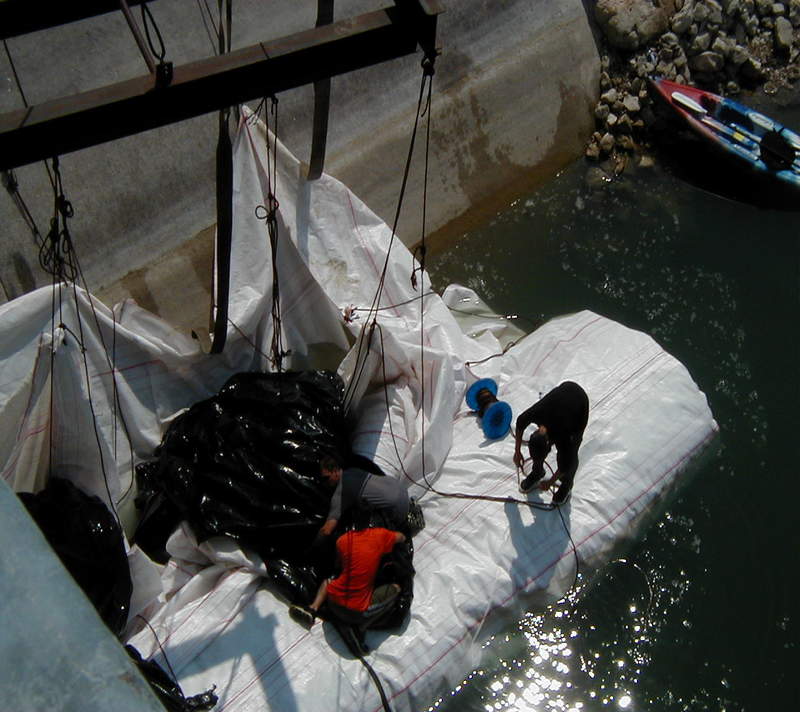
{"x": 561, "y": 416}
{"x": 351, "y": 597}
{"x": 358, "y": 489}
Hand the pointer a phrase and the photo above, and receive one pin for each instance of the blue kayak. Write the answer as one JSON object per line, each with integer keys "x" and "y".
{"x": 767, "y": 147}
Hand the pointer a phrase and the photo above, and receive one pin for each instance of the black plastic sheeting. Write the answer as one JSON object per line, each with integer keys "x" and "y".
{"x": 88, "y": 540}
{"x": 245, "y": 464}
{"x": 167, "y": 690}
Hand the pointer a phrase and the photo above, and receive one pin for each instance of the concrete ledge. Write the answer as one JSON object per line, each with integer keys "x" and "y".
{"x": 513, "y": 94}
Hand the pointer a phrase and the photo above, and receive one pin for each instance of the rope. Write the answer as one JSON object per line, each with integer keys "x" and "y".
{"x": 163, "y": 73}
{"x": 427, "y": 64}
{"x": 160, "y": 647}
{"x": 59, "y": 259}
{"x": 269, "y": 214}
{"x": 148, "y": 19}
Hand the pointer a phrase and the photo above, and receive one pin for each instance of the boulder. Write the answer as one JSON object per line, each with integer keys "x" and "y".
{"x": 700, "y": 43}
{"x": 783, "y": 35}
{"x": 739, "y": 55}
{"x": 610, "y": 97}
{"x": 794, "y": 12}
{"x": 607, "y": 143}
{"x": 707, "y": 62}
{"x": 601, "y": 112}
{"x": 631, "y": 104}
{"x": 714, "y": 12}
{"x": 683, "y": 19}
{"x": 629, "y": 24}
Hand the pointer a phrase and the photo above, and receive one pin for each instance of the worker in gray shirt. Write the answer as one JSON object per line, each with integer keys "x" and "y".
{"x": 357, "y": 488}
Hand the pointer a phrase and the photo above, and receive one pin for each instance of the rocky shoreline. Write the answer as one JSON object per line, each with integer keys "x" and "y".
{"x": 725, "y": 46}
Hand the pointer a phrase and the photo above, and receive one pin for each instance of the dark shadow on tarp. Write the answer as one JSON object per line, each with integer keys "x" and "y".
{"x": 235, "y": 642}
{"x": 545, "y": 523}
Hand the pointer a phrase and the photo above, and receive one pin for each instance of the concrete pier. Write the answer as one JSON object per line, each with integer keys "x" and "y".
{"x": 513, "y": 95}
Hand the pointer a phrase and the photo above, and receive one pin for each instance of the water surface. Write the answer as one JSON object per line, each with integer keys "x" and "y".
{"x": 702, "y": 612}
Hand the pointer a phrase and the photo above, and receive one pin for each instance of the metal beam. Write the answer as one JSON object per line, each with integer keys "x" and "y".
{"x": 72, "y": 123}
{"x": 19, "y": 17}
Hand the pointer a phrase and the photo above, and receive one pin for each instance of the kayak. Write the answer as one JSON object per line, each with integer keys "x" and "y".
{"x": 751, "y": 138}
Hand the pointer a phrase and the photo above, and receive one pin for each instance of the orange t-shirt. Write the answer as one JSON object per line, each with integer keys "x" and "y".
{"x": 360, "y": 553}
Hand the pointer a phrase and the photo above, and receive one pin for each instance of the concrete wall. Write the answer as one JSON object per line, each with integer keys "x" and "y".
{"x": 513, "y": 94}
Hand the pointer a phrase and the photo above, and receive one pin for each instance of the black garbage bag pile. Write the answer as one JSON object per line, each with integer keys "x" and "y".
{"x": 88, "y": 540}
{"x": 245, "y": 464}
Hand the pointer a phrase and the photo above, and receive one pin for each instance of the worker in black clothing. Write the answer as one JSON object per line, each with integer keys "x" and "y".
{"x": 561, "y": 417}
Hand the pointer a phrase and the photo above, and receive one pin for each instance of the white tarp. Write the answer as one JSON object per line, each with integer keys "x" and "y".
{"x": 477, "y": 561}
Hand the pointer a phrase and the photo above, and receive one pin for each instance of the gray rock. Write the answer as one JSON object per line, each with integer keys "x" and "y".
{"x": 631, "y": 104}
{"x": 700, "y": 43}
{"x": 601, "y": 112}
{"x": 732, "y": 88}
{"x": 611, "y": 120}
{"x": 700, "y": 13}
{"x": 714, "y": 12}
{"x": 609, "y": 97}
{"x": 731, "y": 7}
{"x": 722, "y": 45}
{"x": 738, "y": 55}
{"x": 669, "y": 39}
{"x": 682, "y": 20}
{"x": 607, "y": 143}
{"x": 637, "y": 85}
{"x": 783, "y": 35}
{"x": 778, "y": 9}
{"x": 794, "y": 12}
{"x": 707, "y": 62}
{"x": 593, "y": 151}
{"x": 629, "y": 24}
{"x": 665, "y": 69}
{"x": 763, "y": 7}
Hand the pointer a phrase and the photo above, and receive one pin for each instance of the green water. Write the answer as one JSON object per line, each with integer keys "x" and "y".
{"x": 704, "y": 614}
